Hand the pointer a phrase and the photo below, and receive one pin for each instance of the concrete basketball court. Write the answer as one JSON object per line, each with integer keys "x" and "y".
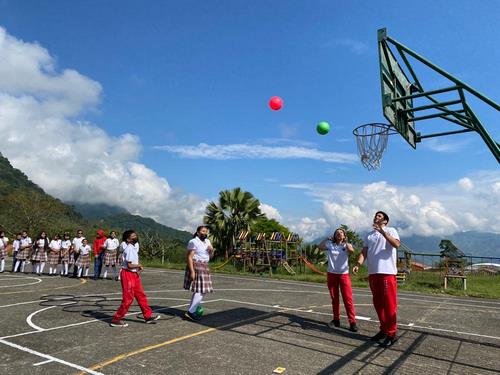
{"x": 53, "y": 325}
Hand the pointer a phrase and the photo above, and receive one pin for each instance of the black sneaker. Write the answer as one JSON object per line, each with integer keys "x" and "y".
{"x": 379, "y": 336}
{"x": 152, "y": 319}
{"x": 191, "y": 316}
{"x": 353, "y": 327}
{"x": 388, "y": 342}
{"x": 334, "y": 323}
{"x": 119, "y": 323}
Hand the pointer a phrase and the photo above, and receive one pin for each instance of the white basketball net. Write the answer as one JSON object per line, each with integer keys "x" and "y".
{"x": 372, "y": 142}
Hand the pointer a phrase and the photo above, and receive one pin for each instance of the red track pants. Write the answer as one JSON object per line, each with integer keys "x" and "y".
{"x": 132, "y": 288}
{"x": 344, "y": 281}
{"x": 384, "y": 290}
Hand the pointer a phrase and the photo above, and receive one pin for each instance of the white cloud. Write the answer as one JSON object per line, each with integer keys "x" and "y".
{"x": 270, "y": 211}
{"x": 355, "y": 46}
{"x": 437, "y": 209}
{"x": 309, "y": 229}
{"x": 249, "y": 151}
{"x": 438, "y": 145}
{"x": 466, "y": 184}
{"x": 76, "y": 161}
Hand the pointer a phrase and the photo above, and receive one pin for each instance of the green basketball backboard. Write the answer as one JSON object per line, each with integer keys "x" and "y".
{"x": 395, "y": 85}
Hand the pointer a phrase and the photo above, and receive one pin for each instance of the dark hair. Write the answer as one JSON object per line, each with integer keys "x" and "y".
{"x": 386, "y": 217}
{"x": 127, "y": 234}
{"x": 2, "y": 233}
{"x": 198, "y": 229}
{"x": 57, "y": 235}
{"x": 66, "y": 234}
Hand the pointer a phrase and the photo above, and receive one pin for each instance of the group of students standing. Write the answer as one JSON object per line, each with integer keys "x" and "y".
{"x": 379, "y": 249}
{"x": 61, "y": 253}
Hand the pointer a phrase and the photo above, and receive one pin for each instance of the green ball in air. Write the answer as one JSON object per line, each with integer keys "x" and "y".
{"x": 323, "y": 128}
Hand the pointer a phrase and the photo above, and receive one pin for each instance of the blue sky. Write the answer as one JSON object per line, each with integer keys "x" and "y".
{"x": 178, "y": 74}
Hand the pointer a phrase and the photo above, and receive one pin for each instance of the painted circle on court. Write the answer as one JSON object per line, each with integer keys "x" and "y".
{"x": 11, "y": 281}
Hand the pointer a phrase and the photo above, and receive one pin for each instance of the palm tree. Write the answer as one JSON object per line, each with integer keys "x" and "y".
{"x": 236, "y": 210}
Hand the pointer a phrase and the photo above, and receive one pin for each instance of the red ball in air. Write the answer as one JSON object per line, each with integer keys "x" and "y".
{"x": 276, "y": 103}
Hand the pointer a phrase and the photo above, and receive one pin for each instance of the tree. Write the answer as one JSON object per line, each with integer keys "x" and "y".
{"x": 236, "y": 210}
{"x": 268, "y": 226}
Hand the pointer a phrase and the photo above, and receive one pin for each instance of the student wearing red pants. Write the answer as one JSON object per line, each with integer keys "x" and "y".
{"x": 337, "y": 250}
{"x": 131, "y": 282}
{"x": 380, "y": 251}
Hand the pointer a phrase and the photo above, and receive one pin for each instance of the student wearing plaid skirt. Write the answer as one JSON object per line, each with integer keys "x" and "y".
{"x": 65, "y": 250}
{"x": 197, "y": 276}
{"x": 110, "y": 246}
{"x": 39, "y": 256}
{"x": 83, "y": 261}
{"x": 24, "y": 251}
{"x": 16, "y": 247}
{"x": 54, "y": 254}
{"x": 3, "y": 250}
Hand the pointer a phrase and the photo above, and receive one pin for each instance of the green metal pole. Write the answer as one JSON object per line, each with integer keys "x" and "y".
{"x": 490, "y": 142}
{"x": 444, "y": 73}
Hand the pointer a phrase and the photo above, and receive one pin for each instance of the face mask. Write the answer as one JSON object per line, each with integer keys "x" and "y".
{"x": 202, "y": 237}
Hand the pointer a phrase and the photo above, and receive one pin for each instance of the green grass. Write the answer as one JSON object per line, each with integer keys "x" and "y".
{"x": 483, "y": 286}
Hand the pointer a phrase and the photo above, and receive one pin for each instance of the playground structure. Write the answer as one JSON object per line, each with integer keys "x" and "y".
{"x": 259, "y": 252}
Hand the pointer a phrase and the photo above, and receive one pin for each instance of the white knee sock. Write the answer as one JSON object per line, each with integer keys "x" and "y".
{"x": 16, "y": 267}
{"x": 2, "y": 265}
{"x": 66, "y": 266}
{"x": 42, "y": 266}
{"x": 23, "y": 265}
{"x": 37, "y": 267}
{"x": 86, "y": 272}
{"x": 105, "y": 273}
{"x": 195, "y": 302}
{"x": 79, "y": 271}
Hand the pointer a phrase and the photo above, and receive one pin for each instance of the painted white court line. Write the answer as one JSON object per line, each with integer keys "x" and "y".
{"x": 103, "y": 319}
{"x": 43, "y": 362}
{"x": 37, "y": 281}
{"x": 30, "y": 317}
{"x": 20, "y": 303}
{"x": 47, "y": 356}
{"x": 362, "y": 318}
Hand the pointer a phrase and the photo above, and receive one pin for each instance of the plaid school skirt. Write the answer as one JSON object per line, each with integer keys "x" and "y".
{"x": 202, "y": 281}
{"x": 23, "y": 254}
{"x": 110, "y": 258}
{"x": 64, "y": 256}
{"x": 53, "y": 258}
{"x": 3, "y": 253}
{"x": 39, "y": 255}
{"x": 119, "y": 258}
{"x": 83, "y": 260}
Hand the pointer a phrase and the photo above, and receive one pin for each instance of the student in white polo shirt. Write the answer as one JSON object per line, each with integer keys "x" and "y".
{"x": 131, "y": 283}
{"x": 197, "y": 277}
{"x": 337, "y": 250}
{"x": 380, "y": 250}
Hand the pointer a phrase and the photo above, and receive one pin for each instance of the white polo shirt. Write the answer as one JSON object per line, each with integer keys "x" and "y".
{"x": 111, "y": 244}
{"x": 85, "y": 249}
{"x": 16, "y": 244}
{"x": 130, "y": 254}
{"x": 77, "y": 242}
{"x": 65, "y": 244}
{"x": 26, "y": 241}
{"x": 55, "y": 244}
{"x": 338, "y": 258}
{"x": 381, "y": 255}
{"x": 200, "y": 248}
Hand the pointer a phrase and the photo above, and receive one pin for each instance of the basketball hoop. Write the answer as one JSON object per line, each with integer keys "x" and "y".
{"x": 372, "y": 142}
